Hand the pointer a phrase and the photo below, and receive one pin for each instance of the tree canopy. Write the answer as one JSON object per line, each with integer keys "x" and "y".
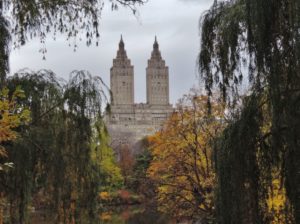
{"x": 263, "y": 36}
{"x": 21, "y": 20}
{"x": 12, "y": 115}
{"x": 62, "y": 159}
{"x": 182, "y": 166}
{"x": 33, "y": 18}
{"x": 54, "y": 157}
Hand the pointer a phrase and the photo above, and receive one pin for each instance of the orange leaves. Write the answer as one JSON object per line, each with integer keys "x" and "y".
{"x": 182, "y": 166}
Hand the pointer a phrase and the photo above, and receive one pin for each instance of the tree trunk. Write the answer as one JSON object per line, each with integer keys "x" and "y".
{"x": 4, "y": 37}
{"x": 293, "y": 155}
{"x": 1, "y": 207}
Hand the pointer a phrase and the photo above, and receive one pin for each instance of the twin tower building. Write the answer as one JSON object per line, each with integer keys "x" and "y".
{"x": 122, "y": 78}
{"x": 128, "y": 122}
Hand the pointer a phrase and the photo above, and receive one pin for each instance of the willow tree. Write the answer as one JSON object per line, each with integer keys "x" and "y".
{"x": 259, "y": 40}
{"x": 4, "y": 50}
{"x": 41, "y": 91}
{"x": 75, "y": 174}
{"x": 53, "y": 161}
{"x": 23, "y": 20}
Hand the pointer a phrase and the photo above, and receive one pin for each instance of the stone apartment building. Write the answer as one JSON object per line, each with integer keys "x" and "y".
{"x": 129, "y": 122}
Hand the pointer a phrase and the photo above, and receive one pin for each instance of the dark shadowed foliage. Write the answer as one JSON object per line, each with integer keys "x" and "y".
{"x": 264, "y": 35}
{"x": 4, "y": 50}
{"x": 53, "y": 166}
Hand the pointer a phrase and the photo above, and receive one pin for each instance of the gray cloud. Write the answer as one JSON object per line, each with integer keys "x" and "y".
{"x": 175, "y": 24}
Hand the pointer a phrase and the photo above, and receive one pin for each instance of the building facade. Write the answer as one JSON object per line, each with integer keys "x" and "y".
{"x": 127, "y": 121}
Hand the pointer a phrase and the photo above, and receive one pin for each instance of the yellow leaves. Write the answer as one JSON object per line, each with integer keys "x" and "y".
{"x": 181, "y": 166}
{"x": 201, "y": 206}
{"x": 12, "y": 115}
{"x": 277, "y": 201}
{"x": 104, "y": 195}
{"x": 105, "y": 216}
{"x": 278, "y": 198}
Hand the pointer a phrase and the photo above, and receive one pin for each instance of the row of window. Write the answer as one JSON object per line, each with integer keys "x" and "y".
{"x": 159, "y": 99}
{"x": 123, "y": 73}
{"x": 160, "y": 89}
{"x": 160, "y": 76}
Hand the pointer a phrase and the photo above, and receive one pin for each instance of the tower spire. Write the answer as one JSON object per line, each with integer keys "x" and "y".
{"x": 121, "y": 54}
{"x": 157, "y": 78}
{"x": 155, "y": 53}
{"x": 155, "y": 45}
{"x": 121, "y": 44}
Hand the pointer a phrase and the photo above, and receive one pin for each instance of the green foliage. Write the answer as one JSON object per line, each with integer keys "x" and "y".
{"x": 239, "y": 188}
{"x": 33, "y": 18}
{"x": 141, "y": 183}
{"x": 54, "y": 159}
{"x": 31, "y": 151}
{"x": 104, "y": 156}
{"x": 222, "y": 28}
{"x": 21, "y": 20}
{"x": 265, "y": 36}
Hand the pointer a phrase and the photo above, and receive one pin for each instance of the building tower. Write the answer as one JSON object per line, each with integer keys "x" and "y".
{"x": 122, "y": 78}
{"x": 157, "y": 78}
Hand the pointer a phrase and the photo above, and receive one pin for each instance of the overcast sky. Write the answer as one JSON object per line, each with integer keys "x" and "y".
{"x": 175, "y": 22}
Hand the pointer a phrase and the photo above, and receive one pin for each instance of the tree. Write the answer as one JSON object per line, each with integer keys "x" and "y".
{"x": 5, "y": 39}
{"x": 247, "y": 182}
{"x": 104, "y": 157}
{"x": 141, "y": 183}
{"x": 20, "y": 20}
{"x": 126, "y": 162}
{"x": 182, "y": 166}
{"x": 55, "y": 164}
{"x": 31, "y": 18}
{"x": 12, "y": 115}
{"x": 265, "y": 36}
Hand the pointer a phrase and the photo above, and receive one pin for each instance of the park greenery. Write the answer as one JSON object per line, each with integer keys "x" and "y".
{"x": 182, "y": 165}
{"x": 258, "y": 40}
{"x": 227, "y": 155}
{"x": 57, "y": 159}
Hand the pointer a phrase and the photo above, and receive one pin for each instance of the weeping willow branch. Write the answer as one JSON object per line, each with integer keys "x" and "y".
{"x": 264, "y": 35}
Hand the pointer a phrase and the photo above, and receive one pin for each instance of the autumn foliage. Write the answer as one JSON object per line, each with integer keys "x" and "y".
{"x": 182, "y": 166}
{"x": 12, "y": 115}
